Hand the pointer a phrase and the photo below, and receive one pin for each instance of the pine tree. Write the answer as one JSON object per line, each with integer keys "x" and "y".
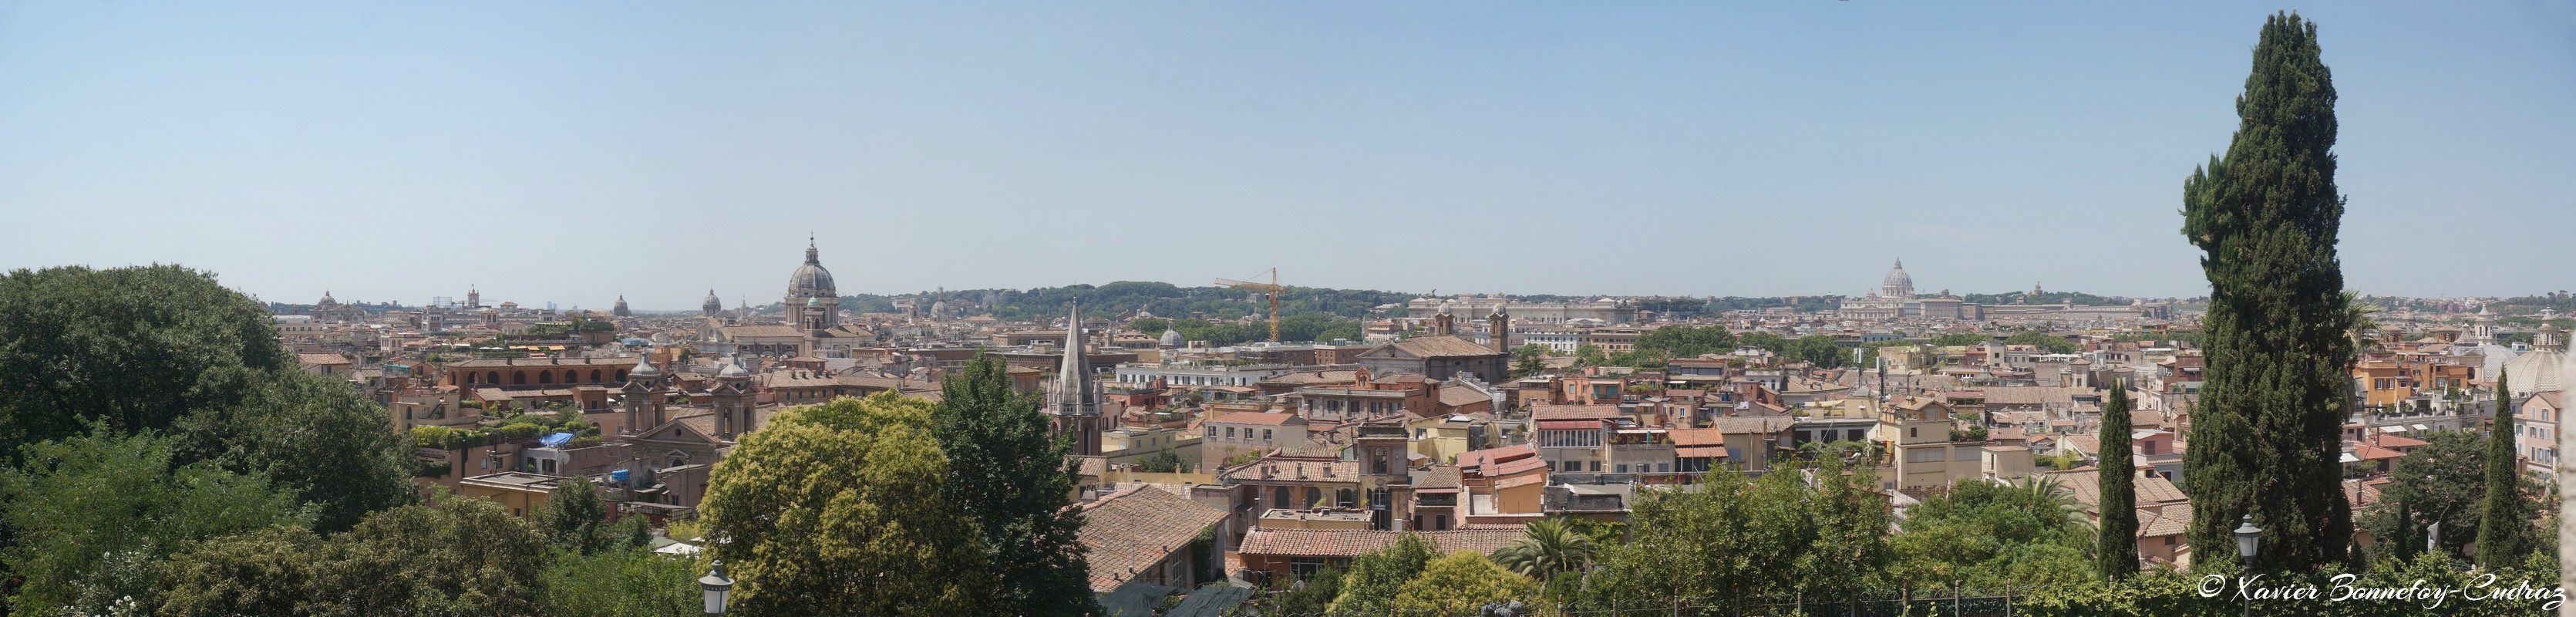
{"x": 2266, "y": 434}
{"x": 2118, "y": 537}
{"x": 2502, "y": 525}
{"x": 2404, "y": 545}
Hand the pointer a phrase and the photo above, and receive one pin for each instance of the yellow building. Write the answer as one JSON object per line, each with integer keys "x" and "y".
{"x": 1441, "y": 439}
{"x": 521, "y": 492}
{"x": 1129, "y": 445}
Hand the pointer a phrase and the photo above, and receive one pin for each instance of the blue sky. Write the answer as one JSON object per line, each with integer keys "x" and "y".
{"x": 574, "y": 151}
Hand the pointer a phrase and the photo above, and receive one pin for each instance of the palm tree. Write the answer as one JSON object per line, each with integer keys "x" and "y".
{"x": 2365, "y": 328}
{"x": 2048, "y": 489}
{"x": 1550, "y": 546}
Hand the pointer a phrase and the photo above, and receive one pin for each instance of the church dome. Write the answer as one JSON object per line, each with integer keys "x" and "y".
{"x": 1171, "y": 337}
{"x": 811, "y": 280}
{"x": 1898, "y": 284}
{"x": 2544, "y": 368}
{"x": 644, "y": 368}
{"x": 326, "y": 300}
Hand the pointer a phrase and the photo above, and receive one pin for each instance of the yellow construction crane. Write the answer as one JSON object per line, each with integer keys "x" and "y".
{"x": 1272, "y": 287}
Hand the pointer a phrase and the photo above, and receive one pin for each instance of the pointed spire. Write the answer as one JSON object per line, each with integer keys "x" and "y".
{"x": 1073, "y": 391}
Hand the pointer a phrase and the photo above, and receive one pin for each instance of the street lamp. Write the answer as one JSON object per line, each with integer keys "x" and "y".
{"x": 716, "y": 585}
{"x": 2249, "y": 539}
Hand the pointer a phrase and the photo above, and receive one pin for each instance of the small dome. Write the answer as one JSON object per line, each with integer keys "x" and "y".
{"x": 1171, "y": 337}
{"x": 326, "y": 299}
{"x": 644, "y": 368}
{"x": 732, "y": 368}
{"x": 813, "y": 302}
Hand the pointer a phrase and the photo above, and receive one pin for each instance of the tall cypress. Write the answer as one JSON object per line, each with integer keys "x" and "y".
{"x": 2118, "y": 535}
{"x": 2502, "y": 525}
{"x": 2267, "y": 432}
{"x": 2119, "y": 529}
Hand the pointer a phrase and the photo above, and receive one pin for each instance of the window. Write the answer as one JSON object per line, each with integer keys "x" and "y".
{"x": 1621, "y": 468}
{"x": 2147, "y": 447}
{"x": 1573, "y": 466}
{"x": 1265, "y": 434}
{"x": 1911, "y": 432}
{"x": 1663, "y": 467}
{"x": 1924, "y": 455}
{"x": 1229, "y": 432}
{"x": 1596, "y": 466}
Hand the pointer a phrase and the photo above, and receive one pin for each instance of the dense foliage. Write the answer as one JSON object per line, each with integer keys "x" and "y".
{"x": 2439, "y": 482}
{"x": 1990, "y": 534}
{"x": 1735, "y": 536}
{"x": 2265, "y": 434}
{"x": 1010, "y": 473}
{"x": 2050, "y": 343}
{"x": 844, "y": 508}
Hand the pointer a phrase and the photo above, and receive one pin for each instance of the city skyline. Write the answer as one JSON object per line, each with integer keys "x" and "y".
{"x": 590, "y": 152}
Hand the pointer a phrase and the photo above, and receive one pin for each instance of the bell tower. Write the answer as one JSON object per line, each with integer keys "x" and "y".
{"x": 642, "y": 396}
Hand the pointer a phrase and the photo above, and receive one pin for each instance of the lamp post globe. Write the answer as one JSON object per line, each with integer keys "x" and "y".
{"x": 2249, "y": 539}
{"x": 716, "y": 585}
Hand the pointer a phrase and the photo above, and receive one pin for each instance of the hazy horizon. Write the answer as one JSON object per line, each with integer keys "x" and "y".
{"x": 572, "y": 152}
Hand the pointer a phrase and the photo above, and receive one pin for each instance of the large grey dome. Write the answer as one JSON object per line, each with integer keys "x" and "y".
{"x": 1898, "y": 284}
{"x": 811, "y": 279}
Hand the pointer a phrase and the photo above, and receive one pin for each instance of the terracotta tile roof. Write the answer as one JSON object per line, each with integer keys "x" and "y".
{"x": 321, "y": 359}
{"x": 1751, "y": 424}
{"x": 1136, "y": 527}
{"x": 1295, "y": 470}
{"x": 1437, "y": 476}
{"x": 1460, "y": 396}
{"x": 1353, "y": 542}
{"x": 1574, "y": 412}
{"x": 2035, "y": 395}
{"x": 1477, "y": 458}
{"x": 1313, "y": 377}
{"x": 547, "y": 362}
{"x": 2173, "y": 520}
{"x": 2390, "y": 441}
{"x": 2086, "y": 486}
{"x": 1436, "y": 347}
{"x": 738, "y": 332}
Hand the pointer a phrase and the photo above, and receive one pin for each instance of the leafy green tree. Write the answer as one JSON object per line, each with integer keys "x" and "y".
{"x": 1164, "y": 462}
{"x": 1764, "y": 340}
{"x": 1823, "y": 540}
{"x": 1011, "y": 473}
{"x": 623, "y": 582}
{"x": 2441, "y": 482}
{"x": 1550, "y": 546}
{"x": 135, "y": 347}
{"x": 2117, "y": 547}
{"x": 1590, "y": 355}
{"x": 1819, "y": 349}
{"x": 261, "y": 572}
{"x": 1959, "y": 339}
{"x": 2504, "y": 523}
{"x": 1312, "y": 596}
{"x": 574, "y": 519}
{"x": 1151, "y": 326}
{"x": 1529, "y": 360}
{"x": 84, "y": 507}
{"x": 457, "y": 556}
{"x": 844, "y": 508}
{"x": 1460, "y": 584}
{"x": 2266, "y": 432}
{"x": 1378, "y": 576}
{"x": 316, "y": 434}
{"x": 1989, "y": 533}
{"x": 1685, "y": 341}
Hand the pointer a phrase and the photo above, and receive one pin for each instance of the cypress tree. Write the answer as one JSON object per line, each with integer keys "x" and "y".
{"x": 2119, "y": 530}
{"x": 2502, "y": 526}
{"x": 2267, "y": 432}
{"x": 2404, "y": 544}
